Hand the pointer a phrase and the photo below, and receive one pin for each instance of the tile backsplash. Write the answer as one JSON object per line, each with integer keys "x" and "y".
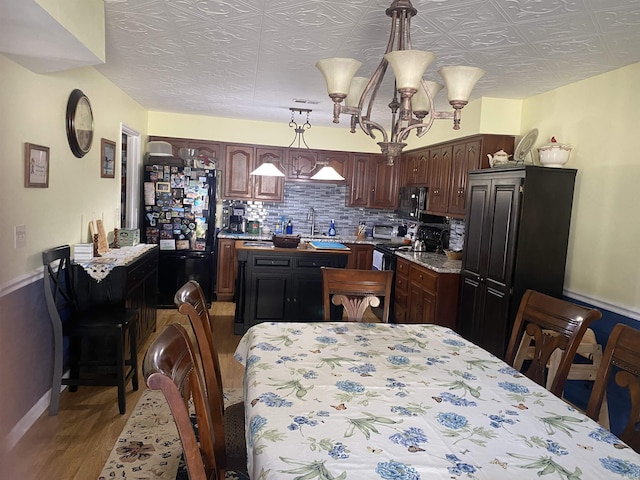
{"x": 329, "y": 203}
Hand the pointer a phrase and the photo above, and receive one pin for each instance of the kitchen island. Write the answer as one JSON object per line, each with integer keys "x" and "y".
{"x": 281, "y": 284}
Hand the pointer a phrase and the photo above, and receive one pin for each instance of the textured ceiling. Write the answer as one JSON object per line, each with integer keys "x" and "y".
{"x": 253, "y": 59}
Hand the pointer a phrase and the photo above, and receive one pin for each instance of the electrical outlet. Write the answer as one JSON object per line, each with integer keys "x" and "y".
{"x": 20, "y": 237}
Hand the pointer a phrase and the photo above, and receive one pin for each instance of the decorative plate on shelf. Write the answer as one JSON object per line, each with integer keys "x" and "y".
{"x": 524, "y": 146}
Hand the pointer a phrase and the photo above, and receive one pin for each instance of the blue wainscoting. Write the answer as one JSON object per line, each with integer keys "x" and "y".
{"x": 578, "y": 391}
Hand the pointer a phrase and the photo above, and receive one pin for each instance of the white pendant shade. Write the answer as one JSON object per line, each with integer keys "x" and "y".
{"x": 355, "y": 91}
{"x": 409, "y": 66}
{"x": 327, "y": 173}
{"x": 337, "y": 73}
{"x": 420, "y": 101}
{"x": 460, "y": 81}
{"x": 268, "y": 169}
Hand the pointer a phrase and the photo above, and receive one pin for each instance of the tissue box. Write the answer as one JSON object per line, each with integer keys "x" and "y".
{"x": 82, "y": 252}
{"x": 128, "y": 237}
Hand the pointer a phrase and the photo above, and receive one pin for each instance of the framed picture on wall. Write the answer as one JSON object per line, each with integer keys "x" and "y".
{"x": 36, "y": 166}
{"x": 107, "y": 158}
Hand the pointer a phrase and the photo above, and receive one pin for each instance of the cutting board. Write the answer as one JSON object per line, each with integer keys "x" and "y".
{"x": 328, "y": 246}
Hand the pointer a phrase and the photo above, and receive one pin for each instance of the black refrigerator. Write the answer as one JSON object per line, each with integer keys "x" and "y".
{"x": 179, "y": 216}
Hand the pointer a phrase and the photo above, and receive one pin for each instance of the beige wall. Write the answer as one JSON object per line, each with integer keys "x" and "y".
{"x": 600, "y": 117}
{"x": 33, "y": 110}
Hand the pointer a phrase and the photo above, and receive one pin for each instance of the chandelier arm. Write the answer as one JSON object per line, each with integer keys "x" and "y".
{"x": 375, "y": 81}
{"x": 371, "y": 125}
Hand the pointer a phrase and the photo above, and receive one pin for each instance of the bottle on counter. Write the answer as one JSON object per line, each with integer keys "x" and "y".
{"x": 332, "y": 229}
{"x": 289, "y": 227}
{"x": 278, "y": 227}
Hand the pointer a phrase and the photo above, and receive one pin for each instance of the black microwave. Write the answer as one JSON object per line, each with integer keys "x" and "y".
{"x": 412, "y": 202}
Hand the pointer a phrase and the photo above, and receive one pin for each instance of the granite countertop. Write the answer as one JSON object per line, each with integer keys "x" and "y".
{"x": 438, "y": 262}
{"x": 304, "y": 238}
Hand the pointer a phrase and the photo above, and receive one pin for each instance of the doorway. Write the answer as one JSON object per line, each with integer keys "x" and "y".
{"x": 130, "y": 166}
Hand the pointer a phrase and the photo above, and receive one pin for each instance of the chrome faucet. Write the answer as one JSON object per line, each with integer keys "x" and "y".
{"x": 311, "y": 216}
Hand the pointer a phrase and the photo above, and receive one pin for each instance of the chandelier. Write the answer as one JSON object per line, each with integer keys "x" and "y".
{"x": 411, "y": 105}
{"x": 296, "y": 165}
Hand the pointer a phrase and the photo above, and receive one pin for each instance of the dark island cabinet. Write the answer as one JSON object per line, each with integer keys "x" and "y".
{"x": 516, "y": 238}
{"x": 280, "y": 286}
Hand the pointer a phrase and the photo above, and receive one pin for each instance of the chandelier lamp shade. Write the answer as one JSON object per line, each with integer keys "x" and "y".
{"x": 412, "y": 106}
{"x": 295, "y": 167}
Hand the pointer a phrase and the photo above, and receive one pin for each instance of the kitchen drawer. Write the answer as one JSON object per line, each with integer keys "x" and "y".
{"x": 402, "y": 267}
{"x": 402, "y": 283}
{"x": 313, "y": 262}
{"x": 272, "y": 262}
{"x": 424, "y": 278}
{"x": 399, "y": 314}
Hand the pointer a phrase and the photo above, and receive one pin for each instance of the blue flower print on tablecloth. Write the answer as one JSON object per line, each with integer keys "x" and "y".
{"x": 273, "y": 400}
{"x": 324, "y": 340}
{"x": 458, "y": 427}
{"x": 267, "y": 347}
{"x": 512, "y": 372}
{"x": 621, "y": 467}
{"x": 393, "y": 470}
{"x": 433, "y": 360}
{"x": 363, "y": 370}
{"x": 411, "y": 437}
{"x": 350, "y": 386}
{"x": 498, "y": 421}
{"x": 459, "y": 467}
{"x": 398, "y": 360}
{"x": 403, "y": 348}
{"x": 603, "y": 435}
{"x": 452, "y": 420}
{"x": 456, "y": 400}
{"x": 338, "y": 329}
{"x": 299, "y": 421}
{"x": 454, "y": 343}
{"x": 252, "y": 360}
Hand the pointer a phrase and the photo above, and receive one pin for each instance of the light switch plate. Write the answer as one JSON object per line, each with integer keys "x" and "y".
{"x": 20, "y": 237}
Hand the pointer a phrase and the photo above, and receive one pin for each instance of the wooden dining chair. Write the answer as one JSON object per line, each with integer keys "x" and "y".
{"x": 229, "y": 421}
{"x": 169, "y": 366}
{"x": 622, "y": 359}
{"x": 356, "y": 291}
{"x": 101, "y": 328}
{"x": 553, "y": 324}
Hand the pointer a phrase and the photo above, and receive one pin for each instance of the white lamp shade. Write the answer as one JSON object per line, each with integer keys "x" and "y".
{"x": 420, "y": 101}
{"x": 355, "y": 91}
{"x": 268, "y": 169}
{"x": 409, "y": 66}
{"x": 327, "y": 173}
{"x": 460, "y": 81}
{"x": 337, "y": 73}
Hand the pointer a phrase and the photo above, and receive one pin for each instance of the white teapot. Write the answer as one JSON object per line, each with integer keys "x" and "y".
{"x": 499, "y": 157}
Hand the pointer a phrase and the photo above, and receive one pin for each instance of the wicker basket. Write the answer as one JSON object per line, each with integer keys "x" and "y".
{"x": 451, "y": 255}
{"x": 285, "y": 241}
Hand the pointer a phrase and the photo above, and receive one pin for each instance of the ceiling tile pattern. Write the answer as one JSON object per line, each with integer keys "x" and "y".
{"x": 251, "y": 59}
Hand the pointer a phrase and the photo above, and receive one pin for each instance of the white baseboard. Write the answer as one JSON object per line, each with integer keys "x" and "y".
{"x": 625, "y": 312}
{"x": 27, "y": 421}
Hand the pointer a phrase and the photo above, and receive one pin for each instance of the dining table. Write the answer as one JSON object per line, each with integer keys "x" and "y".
{"x": 336, "y": 401}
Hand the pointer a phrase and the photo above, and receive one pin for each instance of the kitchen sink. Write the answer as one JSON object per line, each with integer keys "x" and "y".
{"x": 259, "y": 244}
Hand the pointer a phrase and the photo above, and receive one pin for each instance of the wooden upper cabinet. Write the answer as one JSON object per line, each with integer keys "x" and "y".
{"x": 416, "y": 167}
{"x": 466, "y": 157}
{"x": 373, "y": 183}
{"x": 360, "y": 183}
{"x": 208, "y": 152}
{"x": 240, "y": 161}
{"x": 384, "y": 181}
{"x": 268, "y": 188}
{"x": 338, "y": 160}
{"x": 439, "y": 168}
{"x": 299, "y": 164}
{"x": 238, "y": 164}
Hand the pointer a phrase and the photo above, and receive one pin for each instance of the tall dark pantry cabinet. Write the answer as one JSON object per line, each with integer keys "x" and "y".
{"x": 516, "y": 235}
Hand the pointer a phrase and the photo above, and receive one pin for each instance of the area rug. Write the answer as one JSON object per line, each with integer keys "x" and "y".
{"x": 149, "y": 446}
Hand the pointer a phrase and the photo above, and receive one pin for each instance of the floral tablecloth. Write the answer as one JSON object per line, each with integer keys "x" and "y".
{"x": 100, "y": 267}
{"x": 369, "y": 401}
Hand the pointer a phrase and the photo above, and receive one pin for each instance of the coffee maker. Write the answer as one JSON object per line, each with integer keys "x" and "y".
{"x": 236, "y": 219}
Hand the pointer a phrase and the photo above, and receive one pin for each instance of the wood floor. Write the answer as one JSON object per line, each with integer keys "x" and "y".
{"x": 75, "y": 444}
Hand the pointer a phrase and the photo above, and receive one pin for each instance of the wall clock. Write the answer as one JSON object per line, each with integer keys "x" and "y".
{"x": 79, "y": 123}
